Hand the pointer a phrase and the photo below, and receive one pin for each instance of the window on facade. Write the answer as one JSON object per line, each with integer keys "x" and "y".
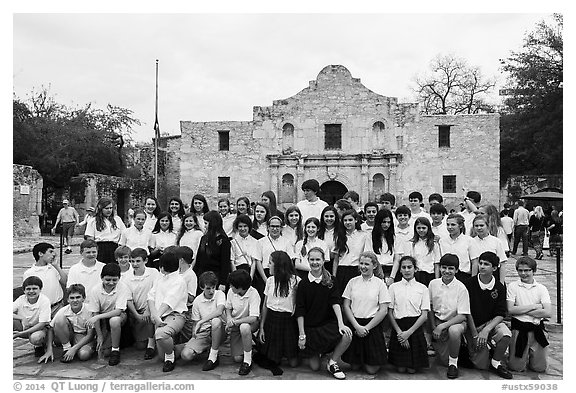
{"x": 378, "y": 126}
{"x": 378, "y": 186}
{"x": 224, "y": 140}
{"x": 333, "y": 136}
{"x": 224, "y": 185}
{"x": 287, "y": 138}
{"x": 400, "y": 142}
{"x": 449, "y": 184}
{"x": 443, "y": 136}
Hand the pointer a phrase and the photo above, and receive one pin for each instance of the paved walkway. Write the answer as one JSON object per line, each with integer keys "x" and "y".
{"x": 133, "y": 367}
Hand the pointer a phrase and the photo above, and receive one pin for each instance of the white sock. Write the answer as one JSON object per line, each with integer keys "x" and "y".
{"x": 495, "y": 363}
{"x": 116, "y": 349}
{"x": 248, "y": 357}
{"x": 66, "y": 346}
{"x": 169, "y": 356}
{"x": 453, "y": 361}
{"x": 151, "y": 342}
{"x": 214, "y": 354}
{"x": 331, "y": 361}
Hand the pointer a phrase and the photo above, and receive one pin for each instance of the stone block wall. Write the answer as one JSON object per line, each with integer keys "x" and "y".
{"x": 27, "y": 200}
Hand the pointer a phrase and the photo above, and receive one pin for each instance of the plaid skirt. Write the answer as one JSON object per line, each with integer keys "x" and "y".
{"x": 322, "y": 339}
{"x": 369, "y": 350}
{"x": 280, "y": 335}
{"x": 414, "y": 357}
{"x": 345, "y": 274}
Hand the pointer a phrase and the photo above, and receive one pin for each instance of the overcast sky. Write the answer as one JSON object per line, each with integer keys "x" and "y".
{"x": 218, "y": 66}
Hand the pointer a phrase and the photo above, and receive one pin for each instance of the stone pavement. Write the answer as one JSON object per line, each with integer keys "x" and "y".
{"x": 133, "y": 367}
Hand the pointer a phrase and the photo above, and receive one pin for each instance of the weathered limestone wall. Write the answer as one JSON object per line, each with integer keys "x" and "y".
{"x": 27, "y": 200}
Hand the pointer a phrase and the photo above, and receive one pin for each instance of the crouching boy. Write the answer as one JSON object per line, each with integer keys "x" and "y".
{"x": 528, "y": 304}
{"x": 167, "y": 304}
{"x": 208, "y": 326}
{"x": 31, "y": 315}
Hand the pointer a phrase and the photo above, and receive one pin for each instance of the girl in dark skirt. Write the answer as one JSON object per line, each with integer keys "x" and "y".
{"x": 105, "y": 229}
{"x": 329, "y": 221}
{"x": 409, "y": 306}
{"x": 365, "y": 306}
{"x": 278, "y": 329}
{"x": 320, "y": 326}
{"x": 351, "y": 241}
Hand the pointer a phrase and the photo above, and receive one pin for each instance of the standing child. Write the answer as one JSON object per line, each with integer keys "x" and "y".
{"x": 415, "y": 203}
{"x": 162, "y": 237}
{"x": 278, "y": 329}
{"x": 107, "y": 301}
{"x": 310, "y": 241}
{"x": 227, "y": 217}
{"x": 528, "y": 304}
{"x": 176, "y": 210}
{"x": 190, "y": 234}
{"x": 370, "y": 211}
{"x": 403, "y": 230}
{"x": 484, "y": 241}
{"x": 106, "y": 230}
{"x": 243, "y": 207}
{"x": 31, "y": 315}
{"x": 311, "y": 205}
{"x": 208, "y": 318}
{"x": 409, "y": 305}
{"x": 244, "y": 247}
{"x": 293, "y": 230}
{"x": 350, "y": 243}
{"x": 152, "y": 209}
{"x": 261, "y": 217}
{"x": 450, "y": 304}
{"x": 319, "y": 316}
{"x": 185, "y": 257}
{"x": 242, "y": 313}
{"x": 136, "y": 236}
{"x": 71, "y": 329}
{"x": 167, "y": 304}
{"x": 199, "y": 206}
{"x": 87, "y": 271}
{"x": 424, "y": 248}
{"x": 365, "y": 306}
{"x": 383, "y": 243}
{"x": 438, "y": 214}
{"x": 139, "y": 282}
{"x": 329, "y": 221}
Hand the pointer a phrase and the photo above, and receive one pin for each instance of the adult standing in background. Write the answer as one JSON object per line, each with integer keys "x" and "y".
{"x": 537, "y": 225}
{"x": 521, "y": 221}
{"x": 68, "y": 216}
{"x": 311, "y": 206}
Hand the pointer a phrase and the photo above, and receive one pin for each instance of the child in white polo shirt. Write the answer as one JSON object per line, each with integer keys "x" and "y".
{"x": 185, "y": 257}
{"x": 87, "y": 271}
{"x": 31, "y": 314}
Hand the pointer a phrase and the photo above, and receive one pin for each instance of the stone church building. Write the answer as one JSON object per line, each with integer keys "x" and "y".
{"x": 347, "y": 137}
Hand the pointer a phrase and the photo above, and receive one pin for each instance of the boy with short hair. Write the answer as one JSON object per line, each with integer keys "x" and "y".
{"x": 70, "y": 327}
{"x": 528, "y": 304}
{"x": 370, "y": 211}
{"x": 354, "y": 199}
{"x": 471, "y": 203}
{"x": 388, "y": 201}
{"x": 311, "y": 205}
{"x": 414, "y": 201}
{"x": 403, "y": 231}
{"x": 449, "y": 306}
{"x": 438, "y": 214}
{"x": 167, "y": 304}
{"x": 139, "y": 281}
{"x": 87, "y": 271}
{"x": 47, "y": 269}
{"x": 185, "y": 257}
{"x": 208, "y": 323}
{"x": 242, "y": 313}
{"x": 107, "y": 302}
{"x": 486, "y": 329}
{"x": 31, "y": 314}
{"x": 434, "y": 199}
{"x": 122, "y": 258}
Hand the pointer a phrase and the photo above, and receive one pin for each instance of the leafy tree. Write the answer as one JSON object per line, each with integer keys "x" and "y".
{"x": 531, "y": 124}
{"x": 453, "y": 87}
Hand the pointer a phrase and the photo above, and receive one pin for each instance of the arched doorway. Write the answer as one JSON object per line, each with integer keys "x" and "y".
{"x": 331, "y": 191}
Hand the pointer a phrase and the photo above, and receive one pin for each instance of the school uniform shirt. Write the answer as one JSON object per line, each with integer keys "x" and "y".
{"x": 448, "y": 300}
{"x": 440, "y": 230}
{"x": 279, "y": 303}
{"x": 136, "y": 238}
{"x": 191, "y": 239}
{"x": 228, "y": 224}
{"x": 366, "y": 228}
{"x": 403, "y": 235}
{"x": 385, "y": 257}
{"x": 243, "y": 249}
{"x": 486, "y": 300}
{"x": 123, "y": 273}
{"x": 162, "y": 240}
{"x": 314, "y": 301}
{"x": 201, "y": 307}
{"x": 150, "y": 222}
{"x": 468, "y": 220}
{"x": 139, "y": 286}
{"x": 522, "y": 294}
{"x": 247, "y": 305}
{"x": 507, "y": 224}
{"x": 171, "y": 290}
{"x": 267, "y": 245}
{"x": 50, "y": 281}
{"x": 461, "y": 247}
{"x": 489, "y": 243}
{"x": 32, "y": 313}
{"x": 176, "y": 224}
{"x": 108, "y": 234}
{"x": 366, "y": 295}
{"x": 310, "y": 244}
{"x": 290, "y": 233}
{"x": 100, "y": 301}
{"x": 329, "y": 239}
{"x": 77, "y": 320}
{"x": 408, "y": 298}
{"x": 503, "y": 238}
{"x": 191, "y": 282}
{"x": 89, "y": 276}
{"x": 311, "y": 209}
{"x": 357, "y": 243}
{"x": 414, "y": 216}
{"x": 425, "y": 258}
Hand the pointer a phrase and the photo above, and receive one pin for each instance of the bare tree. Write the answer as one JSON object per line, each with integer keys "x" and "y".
{"x": 453, "y": 87}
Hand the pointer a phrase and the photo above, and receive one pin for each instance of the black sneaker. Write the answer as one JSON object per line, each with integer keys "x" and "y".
{"x": 114, "y": 358}
{"x": 168, "y": 366}
{"x": 502, "y": 372}
{"x": 150, "y": 353}
{"x": 68, "y": 251}
{"x": 210, "y": 365}
{"x": 39, "y": 351}
{"x": 452, "y": 372}
{"x": 334, "y": 369}
{"x": 244, "y": 369}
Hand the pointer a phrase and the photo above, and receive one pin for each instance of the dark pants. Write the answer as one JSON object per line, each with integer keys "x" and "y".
{"x": 521, "y": 232}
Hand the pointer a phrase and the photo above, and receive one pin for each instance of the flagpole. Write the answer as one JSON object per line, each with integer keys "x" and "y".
{"x": 156, "y": 137}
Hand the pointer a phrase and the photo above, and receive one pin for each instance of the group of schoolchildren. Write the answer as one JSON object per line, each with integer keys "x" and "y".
{"x": 398, "y": 288}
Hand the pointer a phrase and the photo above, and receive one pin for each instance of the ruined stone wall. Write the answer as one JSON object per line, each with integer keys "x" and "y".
{"x": 27, "y": 200}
